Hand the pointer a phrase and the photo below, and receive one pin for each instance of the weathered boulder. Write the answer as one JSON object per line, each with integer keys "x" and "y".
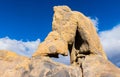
{"x": 79, "y": 34}
{"x": 13, "y": 65}
{"x": 71, "y": 31}
{"x": 45, "y": 67}
{"x": 97, "y": 66}
{"x": 78, "y": 31}
{"x": 52, "y": 46}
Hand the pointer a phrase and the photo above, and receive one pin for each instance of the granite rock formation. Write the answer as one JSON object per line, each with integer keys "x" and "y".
{"x": 13, "y": 65}
{"x": 71, "y": 32}
{"x": 52, "y": 46}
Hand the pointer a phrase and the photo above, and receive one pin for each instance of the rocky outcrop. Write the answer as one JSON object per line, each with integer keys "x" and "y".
{"x": 72, "y": 32}
{"x": 52, "y": 46}
{"x": 13, "y": 65}
{"x": 78, "y": 31}
{"x": 79, "y": 36}
{"x": 97, "y": 66}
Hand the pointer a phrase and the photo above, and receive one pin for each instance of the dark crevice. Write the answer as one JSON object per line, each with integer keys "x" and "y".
{"x": 78, "y": 40}
{"x": 82, "y": 57}
{"x": 85, "y": 53}
{"x": 81, "y": 69}
{"x": 53, "y": 55}
{"x": 70, "y": 47}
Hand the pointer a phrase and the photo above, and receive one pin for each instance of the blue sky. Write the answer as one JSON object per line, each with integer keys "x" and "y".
{"x": 31, "y": 19}
{"x": 24, "y": 23}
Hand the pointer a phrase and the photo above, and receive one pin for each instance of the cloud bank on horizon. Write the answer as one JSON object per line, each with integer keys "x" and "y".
{"x": 18, "y": 46}
{"x": 110, "y": 40}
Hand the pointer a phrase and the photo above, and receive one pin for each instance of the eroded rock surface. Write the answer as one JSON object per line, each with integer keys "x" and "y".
{"x": 73, "y": 32}
{"x": 79, "y": 34}
{"x": 13, "y": 65}
{"x": 97, "y": 66}
{"x": 52, "y": 46}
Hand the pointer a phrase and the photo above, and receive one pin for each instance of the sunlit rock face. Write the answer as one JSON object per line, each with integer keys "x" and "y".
{"x": 78, "y": 33}
{"x": 72, "y": 34}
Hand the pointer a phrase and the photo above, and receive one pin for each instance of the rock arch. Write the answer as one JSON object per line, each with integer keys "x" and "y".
{"x": 71, "y": 31}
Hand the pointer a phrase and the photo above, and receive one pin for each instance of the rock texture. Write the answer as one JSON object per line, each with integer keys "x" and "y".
{"x": 79, "y": 36}
{"x": 78, "y": 31}
{"x": 13, "y": 65}
{"x": 52, "y": 46}
{"x": 97, "y": 66}
{"x": 72, "y": 32}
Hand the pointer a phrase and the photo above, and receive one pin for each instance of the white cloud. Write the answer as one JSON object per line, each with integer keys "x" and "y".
{"x": 110, "y": 40}
{"x": 20, "y": 47}
{"x": 95, "y": 21}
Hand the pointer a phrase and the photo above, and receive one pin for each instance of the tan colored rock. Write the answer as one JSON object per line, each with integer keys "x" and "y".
{"x": 83, "y": 43}
{"x": 78, "y": 31}
{"x": 7, "y": 55}
{"x": 72, "y": 29}
{"x": 97, "y": 66}
{"x": 52, "y": 46}
{"x": 20, "y": 66}
{"x": 64, "y": 22}
{"x": 45, "y": 67}
{"x": 39, "y": 66}
{"x": 12, "y": 65}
